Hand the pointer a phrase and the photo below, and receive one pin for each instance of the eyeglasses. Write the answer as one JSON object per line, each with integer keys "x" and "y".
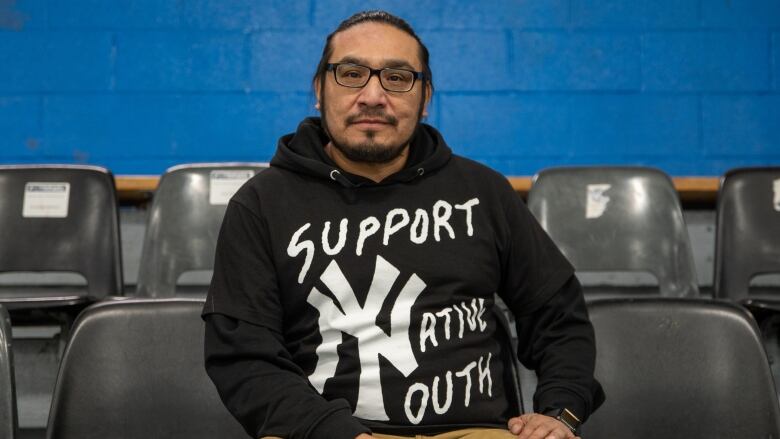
{"x": 357, "y": 76}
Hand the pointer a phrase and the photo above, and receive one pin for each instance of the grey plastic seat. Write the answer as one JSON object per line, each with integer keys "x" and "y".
{"x": 680, "y": 368}
{"x": 133, "y": 369}
{"x": 623, "y": 219}
{"x": 8, "y": 417}
{"x": 747, "y": 244}
{"x": 748, "y": 231}
{"x": 59, "y": 218}
{"x": 184, "y": 221}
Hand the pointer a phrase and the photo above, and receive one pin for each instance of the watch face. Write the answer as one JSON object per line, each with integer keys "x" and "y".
{"x": 569, "y": 416}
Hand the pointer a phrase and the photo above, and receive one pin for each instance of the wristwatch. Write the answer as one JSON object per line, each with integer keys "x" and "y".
{"x": 566, "y": 417}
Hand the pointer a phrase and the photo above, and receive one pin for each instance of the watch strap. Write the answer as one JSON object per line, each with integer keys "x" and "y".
{"x": 565, "y": 416}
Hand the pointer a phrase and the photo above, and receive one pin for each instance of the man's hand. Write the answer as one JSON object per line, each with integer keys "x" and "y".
{"x": 363, "y": 436}
{"x": 536, "y": 426}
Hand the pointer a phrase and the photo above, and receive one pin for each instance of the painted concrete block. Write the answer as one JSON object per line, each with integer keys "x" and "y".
{"x": 741, "y": 126}
{"x": 41, "y": 61}
{"x": 112, "y": 128}
{"x": 237, "y": 15}
{"x": 518, "y": 166}
{"x": 635, "y": 125}
{"x": 20, "y": 125}
{"x": 81, "y": 126}
{"x": 501, "y": 14}
{"x": 420, "y": 15}
{"x": 776, "y": 60}
{"x": 469, "y": 60}
{"x": 575, "y": 61}
{"x": 749, "y": 14}
{"x": 116, "y": 14}
{"x": 506, "y": 125}
{"x": 177, "y": 61}
{"x": 283, "y": 61}
{"x": 705, "y": 61}
{"x": 22, "y": 15}
{"x": 634, "y": 14}
{"x": 246, "y": 14}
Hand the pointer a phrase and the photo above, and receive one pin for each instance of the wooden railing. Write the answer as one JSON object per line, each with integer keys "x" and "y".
{"x": 695, "y": 192}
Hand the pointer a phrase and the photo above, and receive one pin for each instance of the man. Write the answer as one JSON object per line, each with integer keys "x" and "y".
{"x": 354, "y": 281}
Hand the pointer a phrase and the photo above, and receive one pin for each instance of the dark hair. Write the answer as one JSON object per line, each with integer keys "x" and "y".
{"x": 374, "y": 17}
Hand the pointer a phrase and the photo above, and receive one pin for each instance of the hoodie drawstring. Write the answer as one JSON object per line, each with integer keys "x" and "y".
{"x": 336, "y": 176}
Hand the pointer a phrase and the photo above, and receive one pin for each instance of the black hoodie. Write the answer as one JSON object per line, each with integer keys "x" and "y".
{"x": 340, "y": 306}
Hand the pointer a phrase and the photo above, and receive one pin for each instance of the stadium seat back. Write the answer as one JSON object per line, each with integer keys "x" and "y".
{"x": 133, "y": 369}
{"x": 748, "y": 229}
{"x": 682, "y": 368}
{"x": 61, "y": 218}
{"x": 184, "y": 222}
{"x": 617, "y": 219}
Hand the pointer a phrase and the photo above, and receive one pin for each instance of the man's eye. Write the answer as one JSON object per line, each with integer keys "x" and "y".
{"x": 352, "y": 74}
{"x": 397, "y": 77}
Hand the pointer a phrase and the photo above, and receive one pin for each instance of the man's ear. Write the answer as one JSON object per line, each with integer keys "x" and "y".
{"x": 317, "y": 93}
{"x": 428, "y": 96}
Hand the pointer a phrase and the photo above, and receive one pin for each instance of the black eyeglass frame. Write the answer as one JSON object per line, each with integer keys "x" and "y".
{"x": 416, "y": 75}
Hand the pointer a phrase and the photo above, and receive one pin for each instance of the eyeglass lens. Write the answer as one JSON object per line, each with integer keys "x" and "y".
{"x": 350, "y": 75}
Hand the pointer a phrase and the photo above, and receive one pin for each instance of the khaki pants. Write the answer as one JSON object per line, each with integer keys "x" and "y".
{"x": 469, "y": 433}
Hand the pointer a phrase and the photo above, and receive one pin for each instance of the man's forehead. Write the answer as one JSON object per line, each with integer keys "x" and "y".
{"x": 377, "y": 45}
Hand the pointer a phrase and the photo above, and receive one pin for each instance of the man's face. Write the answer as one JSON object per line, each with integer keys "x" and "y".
{"x": 371, "y": 124}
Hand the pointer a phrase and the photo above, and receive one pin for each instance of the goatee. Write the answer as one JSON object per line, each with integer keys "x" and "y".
{"x": 370, "y": 151}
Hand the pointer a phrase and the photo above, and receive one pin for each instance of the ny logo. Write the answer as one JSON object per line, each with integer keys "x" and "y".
{"x": 345, "y": 315}
{"x": 596, "y": 202}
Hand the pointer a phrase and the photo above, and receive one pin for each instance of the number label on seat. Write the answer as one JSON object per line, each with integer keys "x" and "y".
{"x": 596, "y": 202}
{"x": 225, "y": 182}
{"x": 46, "y": 200}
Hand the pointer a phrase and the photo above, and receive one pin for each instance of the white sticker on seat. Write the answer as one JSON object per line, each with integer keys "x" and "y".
{"x": 776, "y": 187}
{"x": 597, "y": 202}
{"x": 225, "y": 182}
{"x": 46, "y": 200}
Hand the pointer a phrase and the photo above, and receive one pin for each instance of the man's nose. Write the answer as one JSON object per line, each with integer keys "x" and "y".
{"x": 373, "y": 94}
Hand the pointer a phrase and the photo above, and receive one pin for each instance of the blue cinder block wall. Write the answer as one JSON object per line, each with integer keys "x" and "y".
{"x": 690, "y": 86}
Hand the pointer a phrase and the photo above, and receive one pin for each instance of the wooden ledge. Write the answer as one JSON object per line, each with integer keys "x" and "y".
{"x": 135, "y": 189}
{"x": 694, "y": 191}
{"x": 702, "y": 190}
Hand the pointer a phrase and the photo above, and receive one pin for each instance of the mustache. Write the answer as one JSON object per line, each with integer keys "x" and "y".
{"x": 372, "y": 114}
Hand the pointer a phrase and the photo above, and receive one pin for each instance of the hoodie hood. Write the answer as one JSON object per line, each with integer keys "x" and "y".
{"x": 303, "y": 152}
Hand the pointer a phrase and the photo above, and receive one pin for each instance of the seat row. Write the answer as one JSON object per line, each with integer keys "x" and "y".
{"x": 65, "y": 218}
{"x": 133, "y": 369}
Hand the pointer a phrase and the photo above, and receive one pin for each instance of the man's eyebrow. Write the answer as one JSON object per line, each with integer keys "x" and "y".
{"x": 388, "y": 63}
{"x": 398, "y": 64}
